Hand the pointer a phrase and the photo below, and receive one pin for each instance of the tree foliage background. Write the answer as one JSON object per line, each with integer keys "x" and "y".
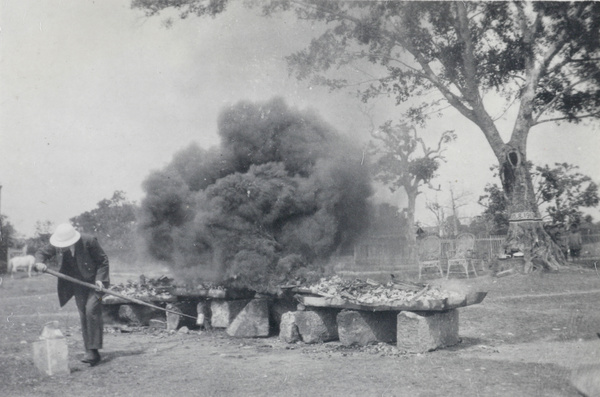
{"x": 540, "y": 58}
{"x": 8, "y": 240}
{"x": 402, "y": 160}
{"x": 113, "y": 222}
{"x": 562, "y": 192}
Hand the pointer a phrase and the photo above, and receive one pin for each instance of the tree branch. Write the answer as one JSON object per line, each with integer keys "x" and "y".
{"x": 507, "y": 107}
{"x": 468, "y": 57}
{"x": 426, "y": 72}
{"x": 555, "y": 99}
{"x": 584, "y": 60}
{"x": 435, "y": 80}
{"x": 583, "y": 116}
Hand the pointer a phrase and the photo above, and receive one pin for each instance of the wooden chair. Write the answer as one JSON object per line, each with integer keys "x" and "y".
{"x": 429, "y": 253}
{"x": 463, "y": 254}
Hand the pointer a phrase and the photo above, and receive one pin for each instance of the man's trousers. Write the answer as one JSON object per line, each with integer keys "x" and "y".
{"x": 89, "y": 305}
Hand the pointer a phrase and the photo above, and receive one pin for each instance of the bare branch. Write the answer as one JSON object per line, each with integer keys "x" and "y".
{"x": 507, "y": 107}
{"x": 516, "y": 76}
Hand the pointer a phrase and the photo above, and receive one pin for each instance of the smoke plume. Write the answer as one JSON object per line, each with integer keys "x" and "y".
{"x": 274, "y": 201}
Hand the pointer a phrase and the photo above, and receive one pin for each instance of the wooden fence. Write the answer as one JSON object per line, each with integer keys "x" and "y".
{"x": 389, "y": 254}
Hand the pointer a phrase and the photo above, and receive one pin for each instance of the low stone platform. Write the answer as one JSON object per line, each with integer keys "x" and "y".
{"x": 414, "y": 332}
{"x": 315, "y": 319}
{"x": 415, "y": 326}
{"x": 434, "y": 305}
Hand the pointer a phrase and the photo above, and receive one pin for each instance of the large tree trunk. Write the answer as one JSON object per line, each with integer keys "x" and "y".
{"x": 410, "y": 233}
{"x": 526, "y": 230}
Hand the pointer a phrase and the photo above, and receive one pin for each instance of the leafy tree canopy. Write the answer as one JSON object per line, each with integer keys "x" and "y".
{"x": 402, "y": 159}
{"x": 562, "y": 192}
{"x": 545, "y": 54}
{"x": 113, "y": 221}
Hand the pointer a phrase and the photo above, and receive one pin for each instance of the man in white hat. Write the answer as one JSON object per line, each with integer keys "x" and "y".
{"x": 80, "y": 256}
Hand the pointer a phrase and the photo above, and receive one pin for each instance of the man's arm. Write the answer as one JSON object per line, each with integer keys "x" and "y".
{"x": 42, "y": 256}
{"x": 101, "y": 259}
{"x": 45, "y": 253}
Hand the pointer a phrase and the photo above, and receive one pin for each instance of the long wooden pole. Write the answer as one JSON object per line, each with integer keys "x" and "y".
{"x": 109, "y": 292}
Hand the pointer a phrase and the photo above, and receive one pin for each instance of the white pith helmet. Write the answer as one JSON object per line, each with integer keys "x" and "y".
{"x": 65, "y": 235}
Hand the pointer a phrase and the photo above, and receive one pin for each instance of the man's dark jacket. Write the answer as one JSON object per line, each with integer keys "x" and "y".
{"x": 91, "y": 260}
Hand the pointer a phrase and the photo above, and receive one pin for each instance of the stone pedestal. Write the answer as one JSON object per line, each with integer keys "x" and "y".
{"x": 419, "y": 332}
{"x": 51, "y": 356}
{"x": 51, "y": 353}
{"x": 364, "y": 328}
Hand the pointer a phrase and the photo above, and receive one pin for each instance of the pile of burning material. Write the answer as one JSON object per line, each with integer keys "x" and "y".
{"x": 147, "y": 289}
{"x": 163, "y": 289}
{"x": 394, "y": 295}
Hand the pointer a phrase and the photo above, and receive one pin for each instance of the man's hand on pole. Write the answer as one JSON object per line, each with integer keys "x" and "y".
{"x": 99, "y": 285}
{"x": 40, "y": 267}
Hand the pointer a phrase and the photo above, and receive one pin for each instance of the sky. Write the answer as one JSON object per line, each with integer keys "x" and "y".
{"x": 94, "y": 96}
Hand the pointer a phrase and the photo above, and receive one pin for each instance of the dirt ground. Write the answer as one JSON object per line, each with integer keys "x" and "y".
{"x": 523, "y": 340}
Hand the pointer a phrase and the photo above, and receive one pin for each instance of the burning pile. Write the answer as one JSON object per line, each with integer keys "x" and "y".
{"x": 281, "y": 193}
{"x": 149, "y": 289}
{"x": 371, "y": 292}
{"x": 164, "y": 289}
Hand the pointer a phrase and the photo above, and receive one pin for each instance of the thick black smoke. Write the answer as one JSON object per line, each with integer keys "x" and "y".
{"x": 281, "y": 194}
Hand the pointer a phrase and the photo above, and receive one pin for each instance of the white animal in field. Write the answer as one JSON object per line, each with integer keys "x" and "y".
{"x": 21, "y": 261}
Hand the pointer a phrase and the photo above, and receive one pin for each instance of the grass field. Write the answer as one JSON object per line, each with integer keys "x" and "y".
{"x": 523, "y": 340}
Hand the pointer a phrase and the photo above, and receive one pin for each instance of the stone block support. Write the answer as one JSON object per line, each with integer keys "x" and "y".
{"x": 175, "y": 321}
{"x": 364, "y": 328}
{"x": 252, "y": 321}
{"x": 277, "y": 309}
{"x": 110, "y": 314}
{"x": 317, "y": 325}
{"x": 137, "y": 314}
{"x": 224, "y": 311}
{"x": 419, "y": 332}
{"x": 288, "y": 330}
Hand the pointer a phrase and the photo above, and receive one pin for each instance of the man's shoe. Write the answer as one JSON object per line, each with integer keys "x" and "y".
{"x": 96, "y": 359}
{"x": 88, "y": 357}
{"x": 91, "y": 357}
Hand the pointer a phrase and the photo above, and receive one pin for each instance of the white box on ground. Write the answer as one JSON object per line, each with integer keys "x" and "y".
{"x": 50, "y": 353}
